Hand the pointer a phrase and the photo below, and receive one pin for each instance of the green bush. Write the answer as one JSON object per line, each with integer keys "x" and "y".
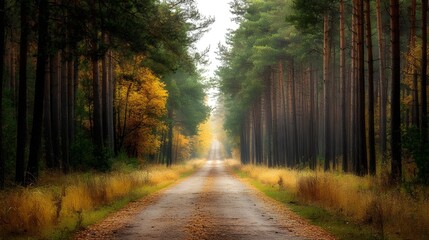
{"x": 412, "y": 144}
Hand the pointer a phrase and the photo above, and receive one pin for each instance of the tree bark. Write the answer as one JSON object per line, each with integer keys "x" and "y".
{"x": 383, "y": 83}
{"x": 424, "y": 74}
{"x": 70, "y": 97}
{"x": 169, "y": 153}
{"x": 49, "y": 151}
{"x": 371, "y": 138}
{"x": 415, "y": 116}
{"x": 65, "y": 144}
{"x": 294, "y": 114}
{"x": 2, "y": 65}
{"x": 97, "y": 112}
{"x": 343, "y": 89}
{"x": 396, "y": 173}
{"x": 362, "y": 165}
{"x": 55, "y": 109}
{"x": 104, "y": 95}
{"x": 42, "y": 57}
{"x": 22, "y": 101}
{"x": 110, "y": 115}
{"x": 326, "y": 74}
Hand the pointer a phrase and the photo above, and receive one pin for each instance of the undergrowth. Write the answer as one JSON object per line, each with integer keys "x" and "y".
{"x": 60, "y": 204}
{"x": 394, "y": 212}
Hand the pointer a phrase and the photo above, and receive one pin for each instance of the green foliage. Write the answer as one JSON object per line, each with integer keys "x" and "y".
{"x": 82, "y": 151}
{"x": 9, "y": 135}
{"x": 263, "y": 38}
{"x": 308, "y": 14}
{"x": 187, "y": 99}
{"x": 123, "y": 163}
{"x": 412, "y": 144}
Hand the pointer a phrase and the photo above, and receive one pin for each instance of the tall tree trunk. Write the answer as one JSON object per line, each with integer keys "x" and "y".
{"x": 268, "y": 118}
{"x": 104, "y": 95}
{"x": 42, "y": 57}
{"x": 64, "y": 111}
{"x": 353, "y": 91}
{"x": 312, "y": 122}
{"x": 49, "y": 151}
{"x": 383, "y": 83}
{"x": 371, "y": 137}
{"x": 2, "y": 65}
{"x": 343, "y": 89}
{"x": 396, "y": 87}
{"x": 424, "y": 74}
{"x": 70, "y": 97}
{"x": 326, "y": 76}
{"x": 363, "y": 165}
{"x": 22, "y": 101}
{"x": 55, "y": 109}
{"x": 415, "y": 91}
{"x": 274, "y": 119}
{"x": 110, "y": 94}
{"x": 294, "y": 114}
{"x": 282, "y": 131}
{"x": 169, "y": 153}
{"x": 71, "y": 51}
{"x": 97, "y": 113}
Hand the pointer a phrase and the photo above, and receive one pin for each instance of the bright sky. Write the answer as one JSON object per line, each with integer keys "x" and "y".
{"x": 218, "y": 9}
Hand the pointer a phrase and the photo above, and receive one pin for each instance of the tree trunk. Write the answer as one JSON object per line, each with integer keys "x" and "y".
{"x": 70, "y": 97}
{"x": 383, "y": 83}
{"x": 169, "y": 153}
{"x": 424, "y": 74}
{"x": 64, "y": 112}
{"x": 268, "y": 118}
{"x": 312, "y": 122}
{"x": 22, "y": 101}
{"x": 55, "y": 109}
{"x": 326, "y": 75}
{"x": 294, "y": 113}
{"x": 343, "y": 89}
{"x": 363, "y": 165}
{"x": 39, "y": 93}
{"x": 371, "y": 138}
{"x": 2, "y": 57}
{"x": 104, "y": 95}
{"x": 415, "y": 91}
{"x": 97, "y": 112}
{"x": 110, "y": 94}
{"x": 396, "y": 87}
{"x": 353, "y": 91}
{"x": 49, "y": 151}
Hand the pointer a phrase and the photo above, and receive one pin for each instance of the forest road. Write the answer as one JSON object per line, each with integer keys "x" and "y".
{"x": 211, "y": 204}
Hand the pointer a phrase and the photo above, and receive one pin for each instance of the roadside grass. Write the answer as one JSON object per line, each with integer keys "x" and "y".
{"x": 59, "y": 204}
{"x": 345, "y": 205}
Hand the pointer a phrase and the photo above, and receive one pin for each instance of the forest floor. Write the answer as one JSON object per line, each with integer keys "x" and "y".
{"x": 210, "y": 204}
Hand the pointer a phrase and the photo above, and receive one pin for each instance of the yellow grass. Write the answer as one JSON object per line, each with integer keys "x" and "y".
{"x": 362, "y": 199}
{"x": 58, "y": 198}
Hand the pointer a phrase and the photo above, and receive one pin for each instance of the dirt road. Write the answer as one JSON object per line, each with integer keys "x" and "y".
{"x": 211, "y": 204}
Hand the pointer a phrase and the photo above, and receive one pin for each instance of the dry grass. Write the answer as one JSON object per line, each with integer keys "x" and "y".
{"x": 37, "y": 210}
{"x": 366, "y": 200}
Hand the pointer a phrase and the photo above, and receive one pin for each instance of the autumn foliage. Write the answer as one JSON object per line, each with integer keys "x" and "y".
{"x": 141, "y": 104}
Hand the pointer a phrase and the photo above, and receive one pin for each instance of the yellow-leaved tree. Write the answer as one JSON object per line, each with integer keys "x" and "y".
{"x": 140, "y": 106}
{"x": 182, "y": 148}
{"x": 202, "y": 141}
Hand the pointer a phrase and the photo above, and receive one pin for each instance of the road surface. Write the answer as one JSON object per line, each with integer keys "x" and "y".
{"x": 211, "y": 204}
